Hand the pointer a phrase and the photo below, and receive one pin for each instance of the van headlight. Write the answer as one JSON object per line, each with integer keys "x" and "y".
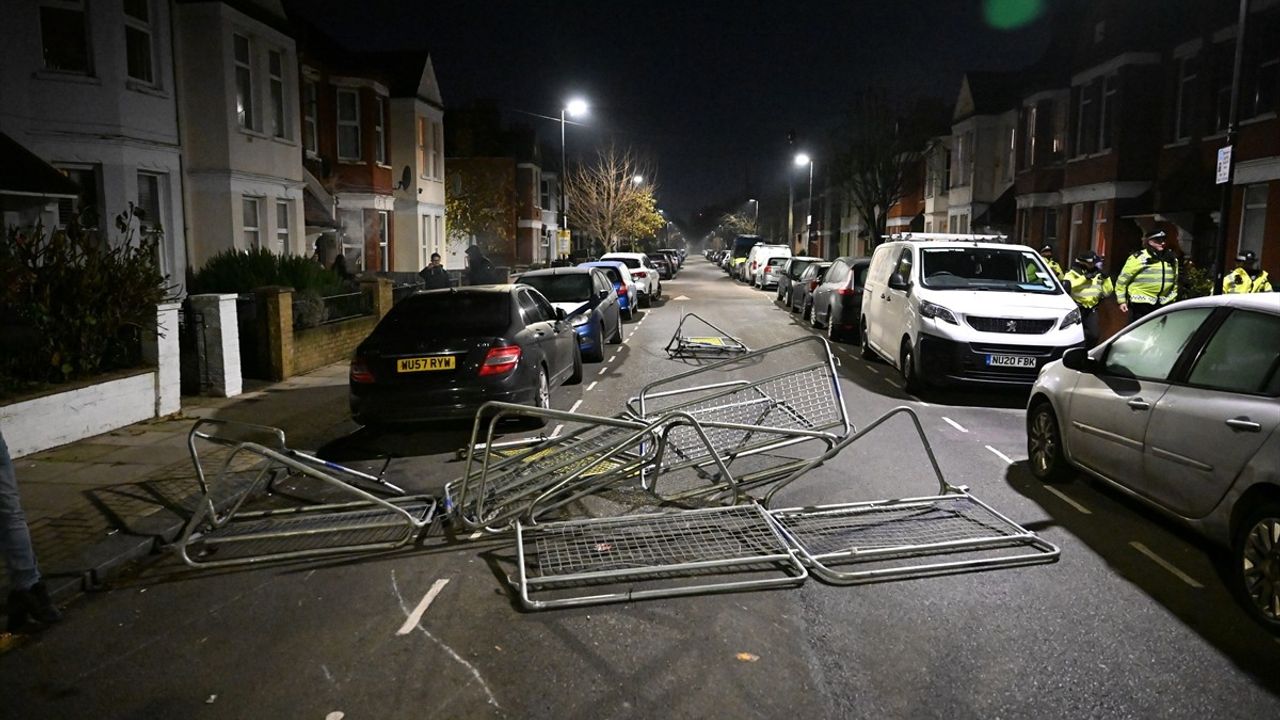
{"x": 1072, "y": 318}
{"x": 933, "y": 310}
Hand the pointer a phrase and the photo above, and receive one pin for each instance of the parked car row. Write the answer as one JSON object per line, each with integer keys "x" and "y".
{"x": 441, "y": 354}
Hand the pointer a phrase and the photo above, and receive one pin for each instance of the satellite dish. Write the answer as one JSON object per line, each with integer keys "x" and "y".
{"x": 406, "y": 177}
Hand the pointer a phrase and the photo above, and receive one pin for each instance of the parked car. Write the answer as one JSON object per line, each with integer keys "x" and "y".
{"x": 677, "y": 258}
{"x": 837, "y": 302}
{"x": 1182, "y": 412}
{"x": 952, "y": 311}
{"x": 443, "y": 353}
{"x": 648, "y": 282}
{"x": 802, "y": 291}
{"x": 791, "y": 273}
{"x": 587, "y": 297}
{"x": 770, "y": 268}
{"x": 666, "y": 270}
{"x": 737, "y": 255}
{"x": 620, "y": 276}
{"x": 755, "y": 257}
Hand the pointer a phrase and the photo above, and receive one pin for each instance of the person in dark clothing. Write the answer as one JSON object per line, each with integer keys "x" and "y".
{"x": 340, "y": 267}
{"x": 434, "y": 276}
{"x": 29, "y": 599}
{"x": 479, "y": 268}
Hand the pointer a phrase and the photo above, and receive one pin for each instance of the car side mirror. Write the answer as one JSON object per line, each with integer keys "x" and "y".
{"x": 604, "y": 294}
{"x": 560, "y": 315}
{"x": 1078, "y": 359}
{"x": 897, "y": 282}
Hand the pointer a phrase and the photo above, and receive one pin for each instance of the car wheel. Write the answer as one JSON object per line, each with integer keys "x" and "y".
{"x": 576, "y": 377}
{"x": 813, "y": 319}
{"x": 597, "y": 338}
{"x": 542, "y": 398}
{"x": 867, "y": 352}
{"x": 910, "y": 378}
{"x": 807, "y": 314}
{"x": 616, "y": 337}
{"x": 1044, "y": 445}
{"x": 1255, "y": 558}
{"x": 644, "y": 301}
{"x": 832, "y": 333}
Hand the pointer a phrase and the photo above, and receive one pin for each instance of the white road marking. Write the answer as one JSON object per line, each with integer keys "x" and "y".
{"x": 1000, "y": 455}
{"x": 603, "y": 370}
{"x": 476, "y": 535}
{"x": 1063, "y": 496}
{"x": 556, "y": 433}
{"x": 335, "y": 715}
{"x": 1165, "y": 564}
{"x": 680, "y": 297}
{"x": 615, "y": 357}
{"x": 896, "y": 384}
{"x": 954, "y": 424}
{"x": 415, "y": 617}
{"x": 575, "y": 407}
{"x": 592, "y": 386}
{"x": 872, "y": 369}
{"x": 452, "y": 653}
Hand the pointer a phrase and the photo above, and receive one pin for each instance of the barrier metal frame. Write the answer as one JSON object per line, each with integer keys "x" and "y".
{"x": 719, "y": 344}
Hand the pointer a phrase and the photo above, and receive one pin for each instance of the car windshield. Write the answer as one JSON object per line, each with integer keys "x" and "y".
{"x": 798, "y": 267}
{"x": 448, "y": 314}
{"x": 575, "y": 287}
{"x": 1000, "y": 270}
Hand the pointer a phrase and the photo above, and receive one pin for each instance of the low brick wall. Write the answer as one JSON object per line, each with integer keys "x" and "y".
{"x": 287, "y": 352}
{"x": 319, "y": 346}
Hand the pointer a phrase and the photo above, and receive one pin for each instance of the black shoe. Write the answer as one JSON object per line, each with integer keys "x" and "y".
{"x": 32, "y": 604}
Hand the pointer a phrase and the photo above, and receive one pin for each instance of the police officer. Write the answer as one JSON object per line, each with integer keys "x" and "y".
{"x": 1247, "y": 277}
{"x": 1046, "y": 252}
{"x": 1089, "y": 287}
{"x": 1149, "y": 278}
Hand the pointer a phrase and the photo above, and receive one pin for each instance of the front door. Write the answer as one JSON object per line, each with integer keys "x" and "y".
{"x": 892, "y": 324}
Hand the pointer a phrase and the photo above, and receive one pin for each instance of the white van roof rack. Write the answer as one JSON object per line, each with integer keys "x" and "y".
{"x": 950, "y": 237}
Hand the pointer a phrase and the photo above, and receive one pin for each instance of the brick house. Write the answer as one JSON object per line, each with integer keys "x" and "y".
{"x": 983, "y": 142}
{"x": 907, "y": 215}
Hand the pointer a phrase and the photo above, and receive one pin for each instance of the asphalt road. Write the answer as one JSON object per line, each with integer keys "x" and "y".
{"x": 1133, "y": 621}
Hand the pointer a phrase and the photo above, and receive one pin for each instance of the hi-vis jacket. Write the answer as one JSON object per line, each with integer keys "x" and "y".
{"x": 1147, "y": 279}
{"x": 1088, "y": 289}
{"x": 1239, "y": 281}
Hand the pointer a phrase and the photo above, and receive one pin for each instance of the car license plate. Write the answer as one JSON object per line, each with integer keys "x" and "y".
{"x": 423, "y": 364}
{"x": 1016, "y": 361}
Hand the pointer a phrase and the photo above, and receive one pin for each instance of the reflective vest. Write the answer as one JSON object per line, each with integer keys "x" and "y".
{"x": 1088, "y": 290}
{"x": 1239, "y": 281}
{"x": 1147, "y": 279}
{"x": 1055, "y": 267}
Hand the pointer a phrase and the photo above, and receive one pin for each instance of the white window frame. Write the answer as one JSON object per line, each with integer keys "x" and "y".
{"x": 1254, "y": 111}
{"x": 352, "y": 92}
{"x": 1077, "y": 227}
{"x": 1096, "y": 242}
{"x": 421, "y": 131}
{"x": 384, "y": 248}
{"x": 79, "y": 6}
{"x": 311, "y": 116}
{"x": 283, "y": 225}
{"x": 380, "y": 131}
{"x": 252, "y": 233}
{"x": 1109, "y": 91}
{"x": 438, "y": 131}
{"x": 1183, "y": 93}
{"x": 1029, "y": 144}
{"x": 278, "y": 89}
{"x": 246, "y": 115}
{"x": 1011, "y": 158}
{"x": 1248, "y": 210}
{"x": 141, "y": 25}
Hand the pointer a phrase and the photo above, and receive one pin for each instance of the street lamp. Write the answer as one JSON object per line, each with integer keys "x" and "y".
{"x": 803, "y": 159}
{"x": 577, "y": 107}
{"x": 638, "y": 179}
{"x": 756, "y": 219}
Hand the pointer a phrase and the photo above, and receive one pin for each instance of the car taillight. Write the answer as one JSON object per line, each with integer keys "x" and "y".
{"x": 622, "y": 291}
{"x": 846, "y": 291}
{"x": 360, "y": 372}
{"x": 500, "y": 360}
{"x": 768, "y": 268}
{"x": 813, "y": 285}
{"x": 640, "y": 274}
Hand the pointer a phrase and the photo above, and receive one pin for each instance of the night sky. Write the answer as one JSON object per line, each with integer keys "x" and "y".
{"x": 707, "y": 89}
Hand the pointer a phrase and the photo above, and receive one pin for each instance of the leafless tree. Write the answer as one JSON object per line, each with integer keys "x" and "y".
{"x": 612, "y": 198}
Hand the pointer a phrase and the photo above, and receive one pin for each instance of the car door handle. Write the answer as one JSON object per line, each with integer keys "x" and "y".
{"x": 884, "y": 297}
{"x": 1244, "y": 423}
{"x": 1139, "y": 404}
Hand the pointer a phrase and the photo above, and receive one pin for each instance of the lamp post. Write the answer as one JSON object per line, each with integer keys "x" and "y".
{"x": 576, "y": 107}
{"x": 755, "y": 220}
{"x": 1228, "y": 183}
{"x": 803, "y": 159}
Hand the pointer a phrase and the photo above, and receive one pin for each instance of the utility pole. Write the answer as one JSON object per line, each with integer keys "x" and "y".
{"x": 1233, "y": 130}
{"x": 791, "y": 191}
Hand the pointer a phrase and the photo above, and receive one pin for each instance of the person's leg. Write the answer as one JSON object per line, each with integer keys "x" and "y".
{"x": 1137, "y": 311}
{"x": 15, "y": 538}
{"x": 1089, "y": 319}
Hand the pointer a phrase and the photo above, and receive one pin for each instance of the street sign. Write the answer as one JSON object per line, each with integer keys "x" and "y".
{"x": 563, "y": 244}
{"x": 1224, "y": 165}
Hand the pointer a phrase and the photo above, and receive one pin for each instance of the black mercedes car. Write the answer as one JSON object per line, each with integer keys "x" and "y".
{"x": 442, "y": 353}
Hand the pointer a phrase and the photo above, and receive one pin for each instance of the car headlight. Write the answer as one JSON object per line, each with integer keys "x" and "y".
{"x": 581, "y": 319}
{"x": 933, "y": 310}
{"x": 1072, "y": 318}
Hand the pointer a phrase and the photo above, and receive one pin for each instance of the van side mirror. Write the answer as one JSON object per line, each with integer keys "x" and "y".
{"x": 897, "y": 282}
{"x": 1078, "y": 359}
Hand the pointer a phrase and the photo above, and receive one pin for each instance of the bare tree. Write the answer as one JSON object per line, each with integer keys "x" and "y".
{"x": 738, "y": 223}
{"x": 613, "y": 198}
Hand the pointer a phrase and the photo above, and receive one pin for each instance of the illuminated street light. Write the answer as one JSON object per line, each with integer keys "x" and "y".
{"x": 803, "y": 159}
{"x": 638, "y": 179}
{"x": 577, "y": 107}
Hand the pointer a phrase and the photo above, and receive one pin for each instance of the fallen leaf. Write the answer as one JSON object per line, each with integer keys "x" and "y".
{"x": 748, "y": 657}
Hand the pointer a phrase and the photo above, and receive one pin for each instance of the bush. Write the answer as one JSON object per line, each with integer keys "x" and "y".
{"x": 75, "y": 305}
{"x": 236, "y": 271}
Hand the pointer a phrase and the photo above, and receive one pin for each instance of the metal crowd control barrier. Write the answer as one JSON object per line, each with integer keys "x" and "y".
{"x": 221, "y": 532}
{"x": 713, "y": 342}
{"x": 891, "y": 539}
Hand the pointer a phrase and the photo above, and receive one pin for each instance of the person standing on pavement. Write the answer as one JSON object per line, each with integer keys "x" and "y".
{"x": 479, "y": 268}
{"x": 434, "y": 276}
{"x": 1149, "y": 279}
{"x": 1089, "y": 287}
{"x": 29, "y": 599}
{"x": 1247, "y": 277}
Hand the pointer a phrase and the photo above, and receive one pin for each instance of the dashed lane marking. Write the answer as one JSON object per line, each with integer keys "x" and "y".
{"x": 1165, "y": 564}
{"x": 999, "y": 454}
{"x": 556, "y": 433}
{"x": 476, "y": 535}
{"x": 575, "y": 407}
{"x": 954, "y": 424}
{"x": 592, "y": 386}
{"x": 896, "y": 384}
{"x": 872, "y": 369}
{"x": 1064, "y": 498}
{"x": 603, "y": 370}
{"x": 415, "y": 617}
{"x": 611, "y": 359}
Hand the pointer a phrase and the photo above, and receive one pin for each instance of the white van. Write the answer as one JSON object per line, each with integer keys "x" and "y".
{"x": 953, "y": 310}
{"x": 755, "y": 259}
{"x": 769, "y": 268}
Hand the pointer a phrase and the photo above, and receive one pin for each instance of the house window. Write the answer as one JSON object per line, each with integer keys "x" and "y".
{"x": 353, "y": 235}
{"x": 425, "y": 240}
{"x": 435, "y": 142}
{"x": 384, "y": 258}
{"x": 84, "y": 208}
{"x": 1100, "y": 228}
{"x": 282, "y": 226}
{"x": 1087, "y": 119}
{"x": 150, "y": 221}
{"x": 946, "y": 172}
{"x": 1029, "y": 137}
{"x": 1110, "y": 86}
{"x": 1011, "y": 153}
{"x": 64, "y": 36}
{"x": 348, "y": 125}
{"x": 380, "y": 132}
{"x": 962, "y": 152}
{"x": 252, "y": 223}
{"x": 423, "y": 127}
{"x": 544, "y": 193}
{"x": 137, "y": 40}
{"x": 1254, "y": 218}
{"x": 310, "y": 112}
{"x": 1077, "y": 229}
{"x": 1261, "y": 98}
{"x": 244, "y": 82}
{"x": 275, "y": 74}
{"x": 1184, "y": 98}
{"x": 1222, "y": 92}
{"x": 1051, "y": 227}
{"x": 1057, "y": 119}
{"x": 439, "y": 164}
{"x": 439, "y": 234}
{"x": 1024, "y": 226}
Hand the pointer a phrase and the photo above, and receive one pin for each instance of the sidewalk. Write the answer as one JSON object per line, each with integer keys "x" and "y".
{"x": 99, "y": 503}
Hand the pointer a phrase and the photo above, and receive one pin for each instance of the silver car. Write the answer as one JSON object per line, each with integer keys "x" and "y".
{"x": 1180, "y": 410}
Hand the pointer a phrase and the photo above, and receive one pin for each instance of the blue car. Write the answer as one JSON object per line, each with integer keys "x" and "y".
{"x": 620, "y": 275}
{"x": 588, "y": 300}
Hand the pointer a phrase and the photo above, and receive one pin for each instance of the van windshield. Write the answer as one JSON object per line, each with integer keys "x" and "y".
{"x": 997, "y": 270}
{"x": 742, "y": 245}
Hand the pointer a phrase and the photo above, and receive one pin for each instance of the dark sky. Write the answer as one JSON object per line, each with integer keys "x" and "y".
{"x": 707, "y": 89}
